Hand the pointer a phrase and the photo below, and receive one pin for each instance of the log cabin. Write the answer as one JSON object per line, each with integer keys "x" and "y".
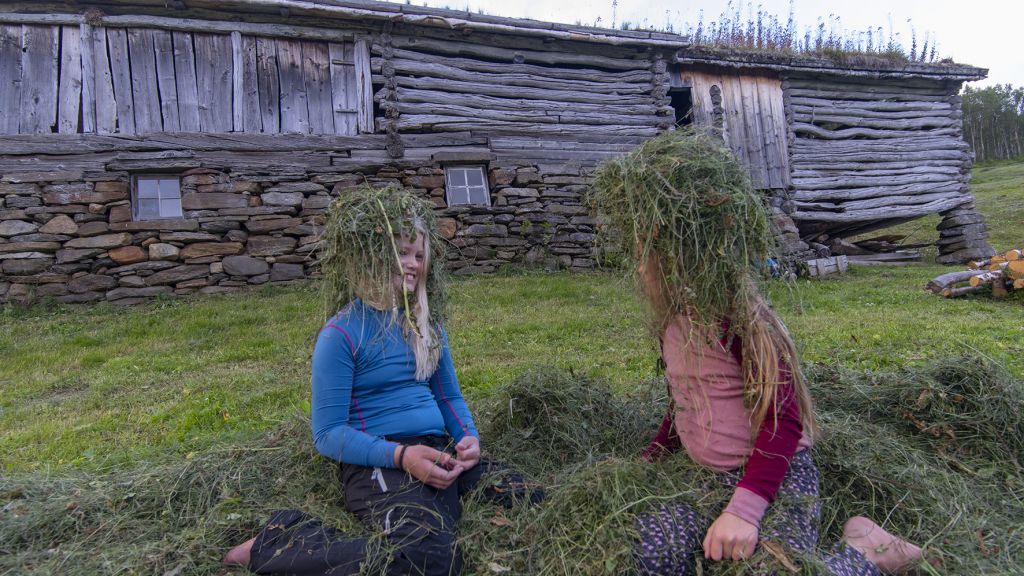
{"x": 162, "y": 147}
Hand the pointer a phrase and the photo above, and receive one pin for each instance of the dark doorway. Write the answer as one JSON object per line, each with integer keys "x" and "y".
{"x": 682, "y": 103}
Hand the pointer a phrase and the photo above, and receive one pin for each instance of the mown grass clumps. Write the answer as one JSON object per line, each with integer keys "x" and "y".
{"x": 960, "y": 492}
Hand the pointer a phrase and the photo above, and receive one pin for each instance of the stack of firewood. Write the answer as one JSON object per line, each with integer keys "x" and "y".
{"x": 1003, "y": 272}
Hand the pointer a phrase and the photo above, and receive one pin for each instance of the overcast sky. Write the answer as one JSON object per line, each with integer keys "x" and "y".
{"x": 983, "y": 33}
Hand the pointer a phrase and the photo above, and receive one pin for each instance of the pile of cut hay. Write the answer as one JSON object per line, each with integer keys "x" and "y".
{"x": 960, "y": 491}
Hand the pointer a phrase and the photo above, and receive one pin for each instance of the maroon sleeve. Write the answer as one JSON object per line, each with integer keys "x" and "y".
{"x": 776, "y": 443}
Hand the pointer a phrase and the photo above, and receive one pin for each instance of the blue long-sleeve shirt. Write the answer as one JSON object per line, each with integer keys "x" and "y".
{"x": 365, "y": 388}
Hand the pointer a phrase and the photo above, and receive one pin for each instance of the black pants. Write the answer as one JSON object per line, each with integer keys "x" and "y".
{"x": 416, "y": 523}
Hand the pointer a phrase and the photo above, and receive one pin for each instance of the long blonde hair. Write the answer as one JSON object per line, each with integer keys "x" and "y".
{"x": 768, "y": 347}
{"x": 422, "y": 335}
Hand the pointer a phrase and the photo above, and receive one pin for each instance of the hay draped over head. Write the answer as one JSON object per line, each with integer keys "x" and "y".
{"x": 359, "y": 251}
{"x": 684, "y": 199}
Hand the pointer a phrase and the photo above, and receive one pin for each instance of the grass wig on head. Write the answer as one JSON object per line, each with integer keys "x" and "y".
{"x": 359, "y": 258}
{"x": 684, "y": 206}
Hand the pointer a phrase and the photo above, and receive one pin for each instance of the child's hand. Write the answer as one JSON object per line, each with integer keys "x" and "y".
{"x": 468, "y": 451}
{"x": 730, "y": 537}
{"x": 432, "y": 467}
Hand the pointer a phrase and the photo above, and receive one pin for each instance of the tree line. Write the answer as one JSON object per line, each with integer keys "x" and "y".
{"x": 994, "y": 121}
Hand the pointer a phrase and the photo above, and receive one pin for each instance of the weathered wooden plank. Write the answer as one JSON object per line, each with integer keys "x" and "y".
{"x": 294, "y": 107}
{"x": 770, "y": 96}
{"x": 10, "y": 79}
{"x": 866, "y": 113}
{"x": 252, "y": 121}
{"x": 39, "y": 80}
{"x": 316, "y": 73}
{"x": 411, "y": 95}
{"x": 516, "y": 91}
{"x": 642, "y": 76}
{"x": 851, "y": 181}
{"x": 268, "y": 85}
{"x": 117, "y": 45}
{"x": 213, "y": 81}
{"x": 839, "y": 165}
{"x": 106, "y": 100}
{"x": 163, "y": 51}
{"x": 364, "y": 85}
{"x": 185, "y": 81}
{"x": 465, "y": 49}
{"x": 802, "y": 172}
{"x": 883, "y": 124}
{"x": 562, "y": 143}
{"x": 700, "y": 95}
{"x": 874, "y": 192}
{"x": 885, "y": 212}
{"x": 83, "y": 144}
{"x": 188, "y": 24}
{"x": 847, "y": 133}
{"x": 345, "y": 97}
{"x": 899, "y": 200}
{"x": 497, "y": 75}
{"x": 88, "y": 59}
{"x": 918, "y": 141}
{"x": 69, "y": 94}
{"x": 534, "y": 114}
{"x": 735, "y": 124}
{"x": 753, "y": 119}
{"x": 871, "y": 105}
{"x": 861, "y": 95}
{"x": 873, "y": 86}
{"x": 145, "y": 92}
{"x": 456, "y": 123}
{"x": 237, "y": 83}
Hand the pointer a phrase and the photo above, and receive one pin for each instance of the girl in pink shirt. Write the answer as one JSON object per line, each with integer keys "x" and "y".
{"x": 739, "y": 403}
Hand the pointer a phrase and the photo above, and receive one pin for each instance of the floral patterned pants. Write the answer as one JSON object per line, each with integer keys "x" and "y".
{"x": 671, "y": 536}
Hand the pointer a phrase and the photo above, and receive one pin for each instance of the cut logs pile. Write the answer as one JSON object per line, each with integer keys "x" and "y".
{"x": 1002, "y": 272}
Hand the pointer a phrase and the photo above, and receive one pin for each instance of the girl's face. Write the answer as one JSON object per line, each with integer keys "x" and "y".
{"x": 411, "y": 257}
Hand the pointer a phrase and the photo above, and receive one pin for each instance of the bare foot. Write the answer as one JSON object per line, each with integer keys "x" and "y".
{"x": 892, "y": 555}
{"x": 239, "y": 555}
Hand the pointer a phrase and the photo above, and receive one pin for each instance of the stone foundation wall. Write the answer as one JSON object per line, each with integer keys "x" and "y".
{"x": 70, "y": 235}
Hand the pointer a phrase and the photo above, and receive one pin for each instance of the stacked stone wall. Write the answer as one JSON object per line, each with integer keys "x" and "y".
{"x": 70, "y": 236}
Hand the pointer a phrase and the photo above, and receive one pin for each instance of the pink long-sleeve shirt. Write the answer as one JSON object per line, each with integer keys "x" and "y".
{"x": 713, "y": 424}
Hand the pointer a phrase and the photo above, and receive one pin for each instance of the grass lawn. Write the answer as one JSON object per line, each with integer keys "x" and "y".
{"x": 101, "y": 390}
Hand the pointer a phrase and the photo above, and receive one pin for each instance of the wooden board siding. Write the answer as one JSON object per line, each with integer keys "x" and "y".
{"x": 866, "y": 153}
{"x": 78, "y": 78}
{"x": 754, "y": 119}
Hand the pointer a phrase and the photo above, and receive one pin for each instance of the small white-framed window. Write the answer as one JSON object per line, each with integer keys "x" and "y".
{"x": 156, "y": 196}
{"x": 466, "y": 185}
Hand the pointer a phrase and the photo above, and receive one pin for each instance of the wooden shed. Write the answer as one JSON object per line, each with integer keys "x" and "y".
{"x": 168, "y": 147}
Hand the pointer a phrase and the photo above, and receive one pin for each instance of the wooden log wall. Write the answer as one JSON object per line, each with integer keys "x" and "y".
{"x": 77, "y": 78}
{"x": 752, "y": 120}
{"x": 532, "y": 102}
{"x": 867, "y": 153}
